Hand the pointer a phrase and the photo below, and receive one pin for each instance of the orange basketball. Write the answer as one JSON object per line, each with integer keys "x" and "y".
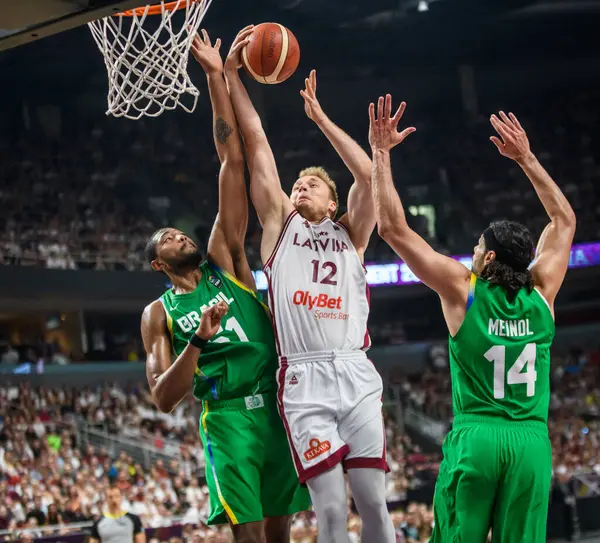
{"x": 272, "y": 54}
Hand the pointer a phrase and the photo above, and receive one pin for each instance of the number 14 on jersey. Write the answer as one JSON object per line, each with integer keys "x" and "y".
{"x": 515, "y": 375}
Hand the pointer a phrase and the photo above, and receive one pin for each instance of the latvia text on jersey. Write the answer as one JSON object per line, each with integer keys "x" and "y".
{"x": 318, "y": 292}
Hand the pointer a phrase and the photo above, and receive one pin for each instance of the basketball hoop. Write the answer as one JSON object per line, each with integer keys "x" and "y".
{"x": 147, "y": 68}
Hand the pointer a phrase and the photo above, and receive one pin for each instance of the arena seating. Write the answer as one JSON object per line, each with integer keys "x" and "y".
{"x": 49, "y": 476}
{"x": 90, "y": 198}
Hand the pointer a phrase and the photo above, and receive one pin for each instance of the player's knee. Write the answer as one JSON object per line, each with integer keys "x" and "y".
{"x": 251, "y": 532}
{"x": 334, "y": 514}
{"x": 372, "y": 502}
{"x": 277, "y": 529}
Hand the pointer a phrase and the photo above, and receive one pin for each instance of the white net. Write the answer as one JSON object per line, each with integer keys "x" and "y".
{"x": 146, "y": 58}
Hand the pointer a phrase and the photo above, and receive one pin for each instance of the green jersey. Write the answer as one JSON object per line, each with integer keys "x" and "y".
{"x": 500, "y": 357}
{"x": 240, "y": 360}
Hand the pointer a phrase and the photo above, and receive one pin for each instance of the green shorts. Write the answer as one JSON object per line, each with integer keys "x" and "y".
{"x": 495, "y": 475}
{"x": 249, "y": 470}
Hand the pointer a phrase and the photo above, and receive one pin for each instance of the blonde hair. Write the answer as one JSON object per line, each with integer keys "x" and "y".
{"x": 321, "y": 173}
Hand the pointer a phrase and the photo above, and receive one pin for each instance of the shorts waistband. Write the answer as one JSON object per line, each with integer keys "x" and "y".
{"x": 240, "y": 404}
{"x": 468, "y": 420}
{"x": 322, "y": 356}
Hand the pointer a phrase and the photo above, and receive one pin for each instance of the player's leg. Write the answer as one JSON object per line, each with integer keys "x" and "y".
{"x": 330, "y": 502}
{"x": 282, "y": 495}
{"x": 233, "y": 469}
{"x": 362, "y": 428}
{"x": 250, "y": 532}
{"x": 466, "y": 486}
{"x": 277, "y": 529}
{"x": 308, "y": 405}
{"x": 368, "y": 491}
{"x": 521, "y": 510}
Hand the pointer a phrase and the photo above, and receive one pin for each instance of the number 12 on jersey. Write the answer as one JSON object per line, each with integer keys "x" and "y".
{"x": 497, "y": 355}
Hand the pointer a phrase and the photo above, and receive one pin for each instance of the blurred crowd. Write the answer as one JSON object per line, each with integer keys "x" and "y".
{"x": 81, "y": 197}
{"x": 57, "y": 459}
{"x": 58, "y": 455}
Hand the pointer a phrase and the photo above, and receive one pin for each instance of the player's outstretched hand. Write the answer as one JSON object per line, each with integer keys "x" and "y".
{"x": 206, "y": 54}
{"x": 234, "y": 57}
{"x": 383, "y": 129}
{"x": 211, "y": 320}
{"x": 513, "y": 142}
{"x": 313, "y": 109}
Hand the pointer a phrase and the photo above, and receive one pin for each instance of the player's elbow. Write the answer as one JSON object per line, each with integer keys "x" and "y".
{"x": 161, "y": 400}
{"x": 566, "y": 219}
{"x": 233, "y": 161}
{"x": 386, "y": 229}
{"x": 165, "y": 407}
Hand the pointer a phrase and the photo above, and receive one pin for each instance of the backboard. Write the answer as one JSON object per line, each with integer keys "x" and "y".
{"x": 22, "y": 21}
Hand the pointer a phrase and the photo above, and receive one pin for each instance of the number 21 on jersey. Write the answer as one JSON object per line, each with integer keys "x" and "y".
{"x": 231, "y": 325}
{"x": 515, "y": 375}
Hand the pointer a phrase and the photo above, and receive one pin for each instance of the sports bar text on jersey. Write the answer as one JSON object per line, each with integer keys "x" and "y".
{"x": 583, "y": 255}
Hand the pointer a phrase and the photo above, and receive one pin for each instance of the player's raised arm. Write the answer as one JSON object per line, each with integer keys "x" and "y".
{"x": 171, "y": 382}
{"x": 554, "y": 247}
{"x": 271, "y": 203}
{"x": 360, "y": 219}
{"x": 446, "y": 276}
{"x": 226, "y": 243}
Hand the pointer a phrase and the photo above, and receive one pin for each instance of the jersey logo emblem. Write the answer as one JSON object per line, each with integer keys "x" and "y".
{"x": 293, "y": 380}
{"x": 215, "y": 281}
{"x": 254, "y": 402}
{"x": 317, "y": 448}
{"x": 336, "y": 228}
{"x": 306, "y": 224}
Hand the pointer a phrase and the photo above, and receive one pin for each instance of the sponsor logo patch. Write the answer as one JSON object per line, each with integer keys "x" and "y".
{"x": 317, "y": 448}
{"x": 215, "y": 281}
{"x": 293, "y": 380}
{"x": 254, "y": 402}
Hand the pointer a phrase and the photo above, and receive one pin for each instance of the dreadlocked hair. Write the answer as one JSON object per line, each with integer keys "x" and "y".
{"x": 516, "y": 242}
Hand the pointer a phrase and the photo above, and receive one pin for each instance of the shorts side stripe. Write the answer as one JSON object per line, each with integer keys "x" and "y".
{"x": 225, "y": 505}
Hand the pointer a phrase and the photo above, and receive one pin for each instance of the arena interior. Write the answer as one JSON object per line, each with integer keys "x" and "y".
{"x": 81, "y": 192}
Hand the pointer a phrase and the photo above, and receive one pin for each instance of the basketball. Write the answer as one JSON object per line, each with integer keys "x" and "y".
{"x": 272, "y": 55}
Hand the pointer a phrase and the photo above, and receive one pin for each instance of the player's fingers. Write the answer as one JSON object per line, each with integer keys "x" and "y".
{"x": 245, "y": 29}
{"x": 239, "y": 45}
{"x": 222, "y": 308}
{"x": 497, "y": 142}
{"x": 313, "y": 80}
{"x": 245, "y": 33}
{"x": 218, "y": 44}
{"x": 509, "y": 124}
{"x": 399, "y": 113}
{"x": 407, "y": 132}
{"x": 500, "y": 127}
{"x": 206, "y": 37}
{"x": 515, "y": 121}
{"x": 380, "y": 108}
{"x": 372, "y": 114}
{"x": 388, "y": 106}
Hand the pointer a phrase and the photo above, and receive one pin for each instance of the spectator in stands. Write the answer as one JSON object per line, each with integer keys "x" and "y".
{"x": 115, "y": 525}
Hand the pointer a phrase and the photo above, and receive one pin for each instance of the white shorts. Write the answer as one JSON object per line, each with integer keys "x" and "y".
{"x": 330, "y": 404}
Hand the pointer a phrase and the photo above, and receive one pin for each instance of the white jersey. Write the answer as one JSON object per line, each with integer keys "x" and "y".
{"x": 318, "y": 291}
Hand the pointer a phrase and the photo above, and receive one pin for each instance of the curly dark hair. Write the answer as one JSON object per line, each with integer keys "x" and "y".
{"x": 150, "y": 250}
{"x": 510, "y": 268}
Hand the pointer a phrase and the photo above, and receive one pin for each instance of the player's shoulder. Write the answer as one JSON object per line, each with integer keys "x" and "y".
{"x": 137, "y": 521}
{"x": 153, "y": 315}
{"x": 154, "y": 308}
